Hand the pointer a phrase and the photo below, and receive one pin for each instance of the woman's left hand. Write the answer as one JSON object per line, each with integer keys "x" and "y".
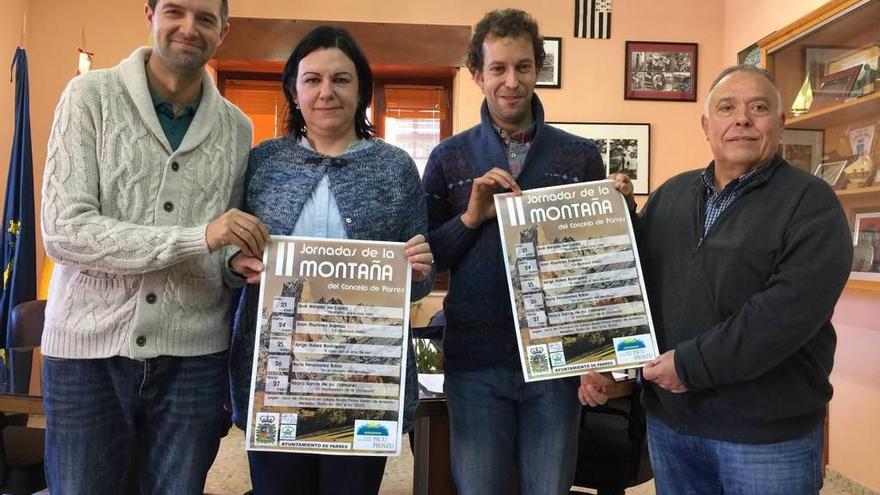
{"x": 418, "y": 252}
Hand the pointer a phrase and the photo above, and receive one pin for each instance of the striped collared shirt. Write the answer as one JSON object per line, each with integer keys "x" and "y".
{"x": 718, "y": 201}
{"x": 518, "y": 144}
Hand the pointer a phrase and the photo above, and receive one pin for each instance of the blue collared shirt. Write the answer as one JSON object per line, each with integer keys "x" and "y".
{"x": 175, "y": 126}
{"x": 320, "y": 215}
{"x": 718, "y": 201}
{"x": 518, "y": 144}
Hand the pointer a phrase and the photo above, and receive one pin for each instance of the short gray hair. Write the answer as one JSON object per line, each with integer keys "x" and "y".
{"x": 751, "y": 69}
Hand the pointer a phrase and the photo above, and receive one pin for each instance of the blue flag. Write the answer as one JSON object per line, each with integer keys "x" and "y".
{"x": 19, "y": 253}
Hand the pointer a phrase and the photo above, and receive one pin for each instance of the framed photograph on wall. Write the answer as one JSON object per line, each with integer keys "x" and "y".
{"x": 662, "y": 71}
{"x": 751, "y": 55}
{"x": 803, "y": 148}
{"x": 866, "y": 242}
{"x": 625, "y": 148}
{"x": 549, "y": 75}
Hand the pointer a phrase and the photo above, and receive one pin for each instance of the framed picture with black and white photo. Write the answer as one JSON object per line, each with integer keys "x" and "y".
{"x": 625, "y": 148}
{"x": 802, "y": 148}
{"x": 659, "y": 70}
{"x": 549, "y": 76}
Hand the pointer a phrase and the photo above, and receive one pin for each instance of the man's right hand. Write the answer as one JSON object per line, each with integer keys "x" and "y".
{"x": 481, "y": 205}
{"x": 240, "y": 229}
{"x": 624, "y": 185}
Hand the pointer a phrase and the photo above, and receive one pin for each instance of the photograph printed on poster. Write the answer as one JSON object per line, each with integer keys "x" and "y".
{"x": 330, "y": 352}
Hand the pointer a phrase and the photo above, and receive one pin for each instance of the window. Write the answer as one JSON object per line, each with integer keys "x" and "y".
{"x": 412, "y": 108}
{"x": 412, "y": 119}
{"x": 262, "y": 101}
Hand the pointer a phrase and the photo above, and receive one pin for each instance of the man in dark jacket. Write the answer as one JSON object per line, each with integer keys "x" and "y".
{"x": 495, "y": 417}
{"x": 744, "y": 262}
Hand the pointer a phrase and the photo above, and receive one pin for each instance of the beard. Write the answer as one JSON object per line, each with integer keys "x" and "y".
{"x": 516, "y": 115}
{"x": 182, "y": 62}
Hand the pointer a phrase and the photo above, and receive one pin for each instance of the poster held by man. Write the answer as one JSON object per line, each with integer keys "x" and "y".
{"x": 575, "y": 281}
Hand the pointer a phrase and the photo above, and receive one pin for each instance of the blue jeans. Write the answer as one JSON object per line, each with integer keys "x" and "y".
{"x": 685, "y": 464}
{"x": 497, "y": 420}
{"x": 167, "y": 414}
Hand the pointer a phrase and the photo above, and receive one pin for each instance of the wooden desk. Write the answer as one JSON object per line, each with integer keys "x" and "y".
{"x": 432, "y": 474}
{"x": 27, "y": 404}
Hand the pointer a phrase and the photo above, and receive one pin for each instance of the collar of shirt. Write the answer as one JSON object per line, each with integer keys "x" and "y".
{"x": 717, "y": 202}
{"x": 353, "y": 146}
{"x": 734, "y": 186}
{"x": 167, "y": 109}
{"x": 523, "y": 137}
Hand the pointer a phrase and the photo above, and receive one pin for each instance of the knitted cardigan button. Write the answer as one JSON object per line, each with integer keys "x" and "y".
{"x": 151, "y": 298}
{"x": 141, "y": 341}
{"x": 169, "y": 206}
{"x": 175, "y": 166}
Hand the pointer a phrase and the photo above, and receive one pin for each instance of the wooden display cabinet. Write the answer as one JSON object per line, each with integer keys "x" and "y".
{"x": 834, "y": 37}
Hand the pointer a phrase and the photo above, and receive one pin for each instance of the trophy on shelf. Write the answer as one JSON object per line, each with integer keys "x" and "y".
{"x": 859, "y": 170}
{"x": 804, "y": 99}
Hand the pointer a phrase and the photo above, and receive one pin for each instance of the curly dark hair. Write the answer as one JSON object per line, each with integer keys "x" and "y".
{"x": 224, "y": 9}
{"x": 503, "y": 23}
{"x": 328, "y": 37}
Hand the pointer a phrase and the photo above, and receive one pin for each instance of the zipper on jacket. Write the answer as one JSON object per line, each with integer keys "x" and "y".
{"x": 714, "y": 224}
{"x": 701, "y": 207}
{"x": 697, "y": 249}
{"x": 701, "y": 220}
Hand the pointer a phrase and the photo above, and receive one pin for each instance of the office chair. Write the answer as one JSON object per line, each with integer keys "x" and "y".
{"x": 21, "y": 455}
{"x": 613, "y": 446}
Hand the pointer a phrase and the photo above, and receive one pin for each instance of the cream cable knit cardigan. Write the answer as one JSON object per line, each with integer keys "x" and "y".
{"x": 124, "y": 218}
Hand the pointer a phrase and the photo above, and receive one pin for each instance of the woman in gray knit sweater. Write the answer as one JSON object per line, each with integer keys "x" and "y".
{"x": 328, "y": 177}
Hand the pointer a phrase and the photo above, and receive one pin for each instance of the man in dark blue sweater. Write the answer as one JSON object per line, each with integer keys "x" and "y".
{"x": 495, "y": 417}
{"x": 743, "y": 261}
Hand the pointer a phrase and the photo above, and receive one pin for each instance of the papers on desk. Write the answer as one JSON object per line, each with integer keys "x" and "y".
{"x": 431, "y": 382}
{"x": 619, "y": 376}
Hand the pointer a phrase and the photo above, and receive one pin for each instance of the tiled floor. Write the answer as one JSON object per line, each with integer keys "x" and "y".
{"x": 229, "y": 476}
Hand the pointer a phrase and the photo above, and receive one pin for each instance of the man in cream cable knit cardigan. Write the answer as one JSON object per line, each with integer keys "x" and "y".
{"x": 145, "y": 168}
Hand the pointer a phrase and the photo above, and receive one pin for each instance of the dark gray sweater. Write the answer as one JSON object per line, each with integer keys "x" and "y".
{"x": 748, "y": 308}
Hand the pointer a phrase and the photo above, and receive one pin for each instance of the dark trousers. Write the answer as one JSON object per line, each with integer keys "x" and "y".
{"x": 276, "y": 473}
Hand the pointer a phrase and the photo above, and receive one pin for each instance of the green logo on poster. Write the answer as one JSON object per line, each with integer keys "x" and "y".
{"x": 373, "y": 429}
{"x": 630, "y": 343}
